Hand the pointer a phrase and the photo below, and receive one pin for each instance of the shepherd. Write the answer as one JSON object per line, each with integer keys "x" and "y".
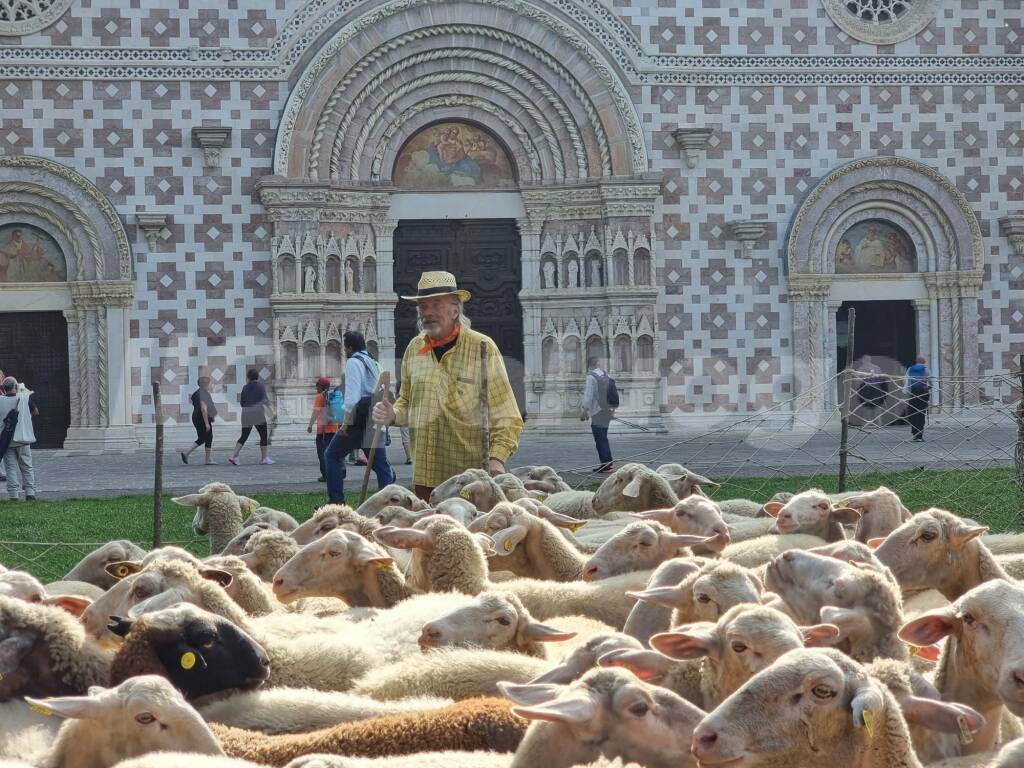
{"x": 447, "y": 395}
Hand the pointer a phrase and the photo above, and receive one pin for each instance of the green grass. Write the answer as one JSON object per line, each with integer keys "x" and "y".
{"x": 989, "y": 496}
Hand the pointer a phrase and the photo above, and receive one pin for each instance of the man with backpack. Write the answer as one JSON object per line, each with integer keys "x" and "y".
{"x": 361, "y": 372}
{"x": 600, "y": 399}
{"x": 328, "y": 413}
{"x": 918, "y": 386}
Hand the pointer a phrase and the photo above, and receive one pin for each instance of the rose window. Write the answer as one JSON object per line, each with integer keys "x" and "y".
{"x": 881, "y": 22}
{"x": 22, "y": 17}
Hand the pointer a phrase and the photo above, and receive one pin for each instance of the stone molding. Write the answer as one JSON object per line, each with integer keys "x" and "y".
{"x": 152, "y": 226}
{"x": 1012, "y": 227}
{"x": 93, "y": 294}
{"x": 747, "y": 232}
{"x": 693, "y": 141}
{"x": 211, "y": 140}
{"x": 917, "y": 16}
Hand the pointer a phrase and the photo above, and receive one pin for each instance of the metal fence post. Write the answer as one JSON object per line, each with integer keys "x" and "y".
{"x": 1018, "y": 455}
{"x": 158, "y": 470}
{"x": 845, "y": 391}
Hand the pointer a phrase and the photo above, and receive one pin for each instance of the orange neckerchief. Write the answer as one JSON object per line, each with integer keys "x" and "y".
{"x": 435, "y": 343}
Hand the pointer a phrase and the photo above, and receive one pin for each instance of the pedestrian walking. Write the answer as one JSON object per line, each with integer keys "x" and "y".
{"x": 440, "y": 399}
{"x": 256, "y": 409}
{"x": 325, "y": 418}
{"x": 203, "y": 413}
{"x": 355, "y": 431}
{"x": 16, "y": 412}
{"x": 917, "y": 385}
{"x": 600, "y": 399}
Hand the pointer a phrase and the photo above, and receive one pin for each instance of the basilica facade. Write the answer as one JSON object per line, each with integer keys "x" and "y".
{"x": 697, "y": 191}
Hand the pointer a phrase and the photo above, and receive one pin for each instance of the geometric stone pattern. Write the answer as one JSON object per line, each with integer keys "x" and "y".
{"x": 723, "y": 321}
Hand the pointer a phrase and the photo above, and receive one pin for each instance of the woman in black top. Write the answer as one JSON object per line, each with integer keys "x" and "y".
{"x": 256, "y": 407}
{"x": 203, "y": 414}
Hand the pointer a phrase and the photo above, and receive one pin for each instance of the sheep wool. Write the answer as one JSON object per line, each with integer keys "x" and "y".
{"x": 246, "y": 589}
{"x": 475, "y": 724}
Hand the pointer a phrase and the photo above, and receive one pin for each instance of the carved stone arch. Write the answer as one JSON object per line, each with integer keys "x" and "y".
{"x": 926, "y": 206}
{"x": 95, "y": 299}
{"x": 351, "y": 52}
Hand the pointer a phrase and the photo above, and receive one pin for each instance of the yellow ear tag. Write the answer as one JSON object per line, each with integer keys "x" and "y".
{"x": 966, "y": 737}
{"x": 869, "y": 723}
{"x": 121, "y": 572}
{"x": 576, "y": 526}
{"x": 465, "y": 494}
{"x": 508, "y": 546}
{"x": 383, "y": 566}
{"x": 914, "y": 649}
{"x": 40, "y": 710}
{"x": 188, "y": 660}
{"x": 542, "y": 497}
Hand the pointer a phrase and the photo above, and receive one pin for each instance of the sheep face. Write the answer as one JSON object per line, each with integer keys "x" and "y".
{"x": 747, "y": 639}
{"x": 683, "y": 481}
{"x": 237, "y": 545}
{"x": 25, "y": 663}
{"x": 637, "y": 547}
{"x": 808, "y": 581}
{"x": 459, "y": 509}
{"x": 988, "y": 625}
{"x": 199, "y": 652}
{"x": 92, "y": 567}
{"x": 543, "y": 479}
{"x": 22, "y": 586}
{"x": 453, "y": 486}
{"x": 159, "y": 585}
{"x": 718, "y": 587}
{"x": 818, "y": 700}
{"x": 400, "y": 517}
{"x": 327, "y": 518}
{"x": 144, "y": 714}
{"x": 629, "y": 718}
{"x": 811, "y": 512}
{"x": 266, "y": 551}
{"x": 495, "y": 621}
{"x": 925, "y": 552}
{"x": 391, "y": 496}
{"x": 882, "y": 512}
{"x": 695, "y": 515}
{"x": 584, "y": 657}
{"x": 632, "y": 488}
{"x": 339, "y": 563}
{"x": 274, "y": 518}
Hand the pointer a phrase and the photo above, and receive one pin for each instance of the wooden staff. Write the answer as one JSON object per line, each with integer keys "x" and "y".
{"x": 383, "y": 383}
{"x": 485, "y": 413}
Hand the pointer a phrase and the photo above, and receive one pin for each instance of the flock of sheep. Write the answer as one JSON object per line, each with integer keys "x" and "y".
{"x": 516, "y": 622}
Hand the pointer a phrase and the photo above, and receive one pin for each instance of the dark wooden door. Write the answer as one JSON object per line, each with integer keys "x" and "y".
{"x": 886, "y": 330}
{"x": 34, "y": 349}
{"x": 484, "y": 255}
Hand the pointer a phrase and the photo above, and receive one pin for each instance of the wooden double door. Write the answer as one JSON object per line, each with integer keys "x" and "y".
{"x": 485, "y": 257}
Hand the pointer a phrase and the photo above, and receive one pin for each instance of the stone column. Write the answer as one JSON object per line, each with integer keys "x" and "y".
{"x": 831, "y": 345}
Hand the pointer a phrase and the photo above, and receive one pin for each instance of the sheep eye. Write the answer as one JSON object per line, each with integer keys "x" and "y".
{"x": 639, "y": 709}
{"x": 327, "y": 527}
{"x": 36, "y": 599}
{"x": 928, "y": 536}
{"x": 823, "y": 692}
{"x": 968, "y": 619}
{"x": 140, "y": 592}
{"x": 739, "y": 647}
{"x": 207, "y": 645}
{"x": 145, "y": 718}
{"x": 703, "y": 599}
{"x": 682, "y": 513}
{"x": 645, "y": 543}
{"x": 504, "y": 621}
{"x": 333, "y": 553}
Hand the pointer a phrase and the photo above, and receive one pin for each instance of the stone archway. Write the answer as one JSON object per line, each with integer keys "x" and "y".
{"x": 944, "y": 284}
{"x": 95, "y": 299}
{"x": 526, "y": 74}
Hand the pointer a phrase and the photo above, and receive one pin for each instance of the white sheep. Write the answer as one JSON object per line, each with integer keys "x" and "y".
{"x": 631, "y": 488}
{"x": 812, "y": 512}
{"x": 528, "y": 545}
{"x": 584, "y": 657}
{"x": 541, "y": 478}
{"x": 684, "y": 482}
{"x": 219, "y": 513}
{"x": 458, "y": 508}
{"x": 266, "y": 551}
{"x": 881, "y": 513}
{"x": 810, "y": 706}
{"x": 758, "y": 551}
{"x": 391, "y": 496}
{"x": 92, "y": 567}
{"x": 695, "y": 515}
{"x": 1010, "y": 756}
{"x": 648, "y": 618}
{"x": 642, "y": 545}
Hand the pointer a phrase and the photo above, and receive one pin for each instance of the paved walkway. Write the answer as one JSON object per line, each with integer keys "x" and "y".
{"x": 729, "y": 453}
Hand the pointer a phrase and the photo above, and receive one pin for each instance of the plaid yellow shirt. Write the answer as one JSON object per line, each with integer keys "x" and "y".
{"x": 440, "y": 403}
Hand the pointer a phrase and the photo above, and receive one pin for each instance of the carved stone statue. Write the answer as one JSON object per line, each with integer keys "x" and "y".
{"x": 574, "y": 274}
{"x": 549, "y": 274}
{"x": 593, "y": 277}
{"x": 350, "y": 277}
{"x": 309, "y": 279}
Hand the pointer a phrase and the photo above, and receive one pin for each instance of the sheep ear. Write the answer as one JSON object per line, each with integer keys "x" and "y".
{"x": 72, "y": 604}
{"x": 868, "y": 699}
{"x": 486, "y": 544}
{"x": 686, "y": 540}
{"x": 961, "y": 533}
{"x": 157, "y": 602}
{"x": 693, "y": 641}
{"x": 14, "y": 649}
{"x": 632, "y": 489}
{"x": 928, "y": 652}
{"x": 647, "y": 665}
{"x": 558, "y": 519}
{"x": 530, "y": 693}
{"x": 945, "y": 716}
{"x": 696, "y": 479}
{"x": 666, "y": 597}
{"x": 71, "y": 707}
{"x": 820, "y": 635}
{"x": 658, "y": 515}
{"x": 846, "y": 620}
{"x": 188, "y": 500}
{"x": 904, "y": 514}
{"x": 542, "y": 633}
{"x": 217, "y": 575}
{"x": 123, "y": 568}
{"x": 507, "y": 539}
{"x": 930, "y": 627}
{"x": 404, "y": 538}
{"x": 772, "y": 508}
{"x": 367, "y": 556}
{"x": 574, "y": 709}
{"x": 876, "y": 542}
{"x": 845, "y": 515}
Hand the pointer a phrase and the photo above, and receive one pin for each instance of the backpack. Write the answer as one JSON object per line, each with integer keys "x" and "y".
{"x": 920, "y": 387}
{"x": 335, "y": 406}
{"x": 607, "y": 392}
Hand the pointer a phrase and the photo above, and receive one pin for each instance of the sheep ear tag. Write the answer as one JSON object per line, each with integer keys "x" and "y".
{"x": 575, "y": 526}
{"x": 466, "y": 494}
{"x": 190, "y": 660}
{"x": 869, "y": 722}
{"x": 41, "y": 709}
{"x": 966, "y": 737}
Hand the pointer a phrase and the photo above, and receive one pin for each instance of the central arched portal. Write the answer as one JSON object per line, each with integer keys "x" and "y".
{"x": 466, "y": 136}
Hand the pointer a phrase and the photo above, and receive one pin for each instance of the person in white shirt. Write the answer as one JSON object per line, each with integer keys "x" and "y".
{"x": 361, "y": 373}
{"x": 595, "y": 408}
{"x": 18, "y": 457}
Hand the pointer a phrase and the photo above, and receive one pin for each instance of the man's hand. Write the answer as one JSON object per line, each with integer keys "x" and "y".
{"x": 584, "y": 415}
{"x": 309, "y": 429}
{"x": 495, "y": 467}
{"x": 384, "y": 413}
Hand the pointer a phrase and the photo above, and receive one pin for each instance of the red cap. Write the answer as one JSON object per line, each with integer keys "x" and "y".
{"x": 323, "y": 381}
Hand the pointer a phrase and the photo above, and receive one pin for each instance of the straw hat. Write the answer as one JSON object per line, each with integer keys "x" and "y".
{"x": 437, "y": 284}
